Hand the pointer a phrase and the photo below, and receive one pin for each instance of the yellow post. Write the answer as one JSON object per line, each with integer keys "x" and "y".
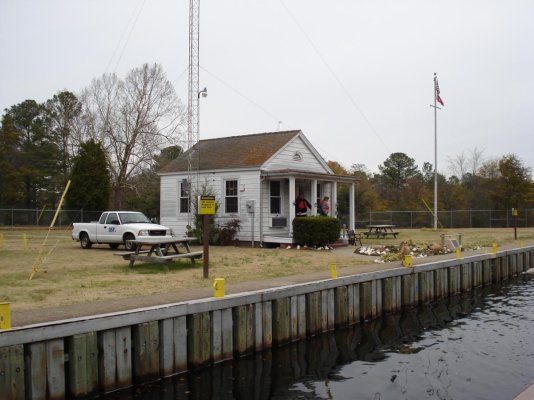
{"x": 218, "y": 287}
{"x": 5, "y": 316}
{"x": 521, "y": 244}
{"x": 407, "y": 262}
{"x": 25, "y": 240}
{"x": 333, "y": 270}
{"x": 1, "y": 241}
{"x": 458, "y": 251}
{"x": 494, "y": 248}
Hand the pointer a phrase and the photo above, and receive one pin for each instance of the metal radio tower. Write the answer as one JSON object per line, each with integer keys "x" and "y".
{"x": 192, "y": 112}
{"x": 193, "y": 96}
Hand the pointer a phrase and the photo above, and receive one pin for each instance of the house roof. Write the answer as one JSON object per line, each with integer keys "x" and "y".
{"x": 247, "y": 151}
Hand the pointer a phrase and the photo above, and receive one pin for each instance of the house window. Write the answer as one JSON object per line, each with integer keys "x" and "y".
{"x": 276, "y": 200}
{"x": 184, "y": 196}
{"x": 230, "y": 199}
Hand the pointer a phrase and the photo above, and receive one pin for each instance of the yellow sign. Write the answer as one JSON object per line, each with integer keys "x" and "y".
{"x": 218, "y": 287}
{"x": 407, "y": 262}
{"x": 5, "y": 316}
{"x": 333, "y": 271}
{"x": 206, "y": 205}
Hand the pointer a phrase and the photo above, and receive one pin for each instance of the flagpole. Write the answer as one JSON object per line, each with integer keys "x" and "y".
{"x": 435, "y": 155}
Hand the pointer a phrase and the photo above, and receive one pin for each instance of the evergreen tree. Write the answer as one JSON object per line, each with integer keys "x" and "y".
{"x": 90, "y": 180}
{"x": 396, "y": 171}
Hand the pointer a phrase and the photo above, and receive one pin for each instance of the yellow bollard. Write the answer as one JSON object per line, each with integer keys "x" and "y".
{"x": 494, "y": 248}
{"x": 25, "y": 241}
{"x": 1, "y": 241}
{"x": 218, "y": 287}
{"x": 521, "y": 244}
{"x": 5, "y": 316}
{"x": 407, "y": 262}
{"x": 333, "y": 271}
{"x": 458, "y": 251}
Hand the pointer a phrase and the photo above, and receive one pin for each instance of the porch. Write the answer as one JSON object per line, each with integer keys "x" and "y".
{"x": 278, "y": 195}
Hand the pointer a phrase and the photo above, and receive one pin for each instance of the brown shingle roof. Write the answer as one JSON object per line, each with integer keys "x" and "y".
{"x": 232, "y": 152}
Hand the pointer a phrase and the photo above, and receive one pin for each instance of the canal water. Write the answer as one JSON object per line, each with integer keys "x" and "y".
{"x": 478, "y": 345}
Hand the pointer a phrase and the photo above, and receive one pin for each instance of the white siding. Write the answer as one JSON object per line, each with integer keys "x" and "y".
{"x": 266, "y": 212}
{"x": 248, "y": 190}
{"x": 285, "y": 159}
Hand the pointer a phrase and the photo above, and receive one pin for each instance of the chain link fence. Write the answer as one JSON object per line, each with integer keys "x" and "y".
{"x": 44, "y": 217}
{"x": 449, "y": 219}
{"x": 402, "y": 219}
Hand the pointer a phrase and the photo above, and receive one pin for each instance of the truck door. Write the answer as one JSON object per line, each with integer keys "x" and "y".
{"x": 107, "y": 232}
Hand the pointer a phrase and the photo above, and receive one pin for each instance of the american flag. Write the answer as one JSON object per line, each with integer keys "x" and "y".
{"x": 436, "y": 88}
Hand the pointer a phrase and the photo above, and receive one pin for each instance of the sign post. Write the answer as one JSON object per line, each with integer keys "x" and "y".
{"x": 206, "y": 207}
{"x": 514, "y": 215}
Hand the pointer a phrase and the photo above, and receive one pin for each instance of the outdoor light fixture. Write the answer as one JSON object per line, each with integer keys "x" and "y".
{"x": 203, "y": 93}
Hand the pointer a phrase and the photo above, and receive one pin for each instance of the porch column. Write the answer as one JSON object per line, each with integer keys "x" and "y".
{"x": 333, "y": 203}
{"x": 313, "y": 199}
{"x": 291, "y": 204}
{"x": 352, "y": 213}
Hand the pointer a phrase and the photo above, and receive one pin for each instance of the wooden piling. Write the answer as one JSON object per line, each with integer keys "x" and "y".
{"x": 12, "y": 372}
{"x": 301, "y": 310}
{"x": 281, "y": 321}
{"x": 294, "y": 318}
{"x": 341, "y": 306}
{"x": 408, "y": 296}
{"x": 83, "y": 364}
{"x": 313, "y": 313}
{"x": 36, "y": 382}
{"x": 466, "y": 277}
{"x": 55, "y": 369}
{"x": 146, "y": 351}
{"x": 267, "y": 324}
{"x": 198, "y": 340}
{"x": 216, "y": 336}
{"x": 366, "y": 300}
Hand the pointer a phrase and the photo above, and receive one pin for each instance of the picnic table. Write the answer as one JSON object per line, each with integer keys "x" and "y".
{"x": 380, "y": 231}
{"x": 158, "y": 249}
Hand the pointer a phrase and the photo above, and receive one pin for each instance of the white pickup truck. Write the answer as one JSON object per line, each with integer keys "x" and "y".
{"x": 116, "y": 228}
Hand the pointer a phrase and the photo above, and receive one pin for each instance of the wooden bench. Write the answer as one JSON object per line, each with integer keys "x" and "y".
{"x": 142, "y": 256}
{"x": 193, "y": 255}
{"x": 126, "y": 254}
{"x": 354, "y": 237}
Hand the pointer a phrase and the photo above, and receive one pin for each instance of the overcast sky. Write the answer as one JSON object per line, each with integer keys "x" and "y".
{"x": 355, "y": 76}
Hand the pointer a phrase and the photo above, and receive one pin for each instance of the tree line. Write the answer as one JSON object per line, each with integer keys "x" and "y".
{"x": 476, "y": 183}
{"x": 112, "y": 137}
{"x": 107, "y": 139}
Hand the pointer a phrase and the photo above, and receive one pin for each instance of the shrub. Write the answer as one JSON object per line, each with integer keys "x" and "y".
{"x": 316, "y": 231}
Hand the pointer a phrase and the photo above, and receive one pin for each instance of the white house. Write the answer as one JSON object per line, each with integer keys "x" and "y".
{"x": 255, "y": 179}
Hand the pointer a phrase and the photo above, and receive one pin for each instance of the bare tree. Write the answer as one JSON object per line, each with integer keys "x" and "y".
{"x": 475, "y": 160}
{"x": 458, "y": 165}
{"x": 134, "y": 119}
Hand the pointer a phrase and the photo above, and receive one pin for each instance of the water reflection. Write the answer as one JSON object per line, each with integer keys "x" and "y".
{"x": 461, "y": 347}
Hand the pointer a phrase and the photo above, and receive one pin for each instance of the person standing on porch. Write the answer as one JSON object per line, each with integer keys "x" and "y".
{"x": 324, "y": 206}
{"x": 301, "y": 206}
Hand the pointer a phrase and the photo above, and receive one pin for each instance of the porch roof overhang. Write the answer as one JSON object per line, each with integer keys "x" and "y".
{"x": 286, "y": 173}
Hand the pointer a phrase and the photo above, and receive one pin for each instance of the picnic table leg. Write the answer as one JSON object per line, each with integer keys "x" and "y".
{"x": 175, "y": 248}
{"x": 132, "y": 259}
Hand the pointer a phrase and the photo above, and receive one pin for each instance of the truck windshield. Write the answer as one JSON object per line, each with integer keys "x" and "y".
{"x": 134, "y": 218}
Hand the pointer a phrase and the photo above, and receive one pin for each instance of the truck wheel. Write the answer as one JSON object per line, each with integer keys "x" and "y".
{"x": 114, "y": 246}
{"x": 85, "y": 242}
{"x": 128, "y": 245}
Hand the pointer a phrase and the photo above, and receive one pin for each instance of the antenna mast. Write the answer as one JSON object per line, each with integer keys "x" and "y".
{"x": 193, "y": 96}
